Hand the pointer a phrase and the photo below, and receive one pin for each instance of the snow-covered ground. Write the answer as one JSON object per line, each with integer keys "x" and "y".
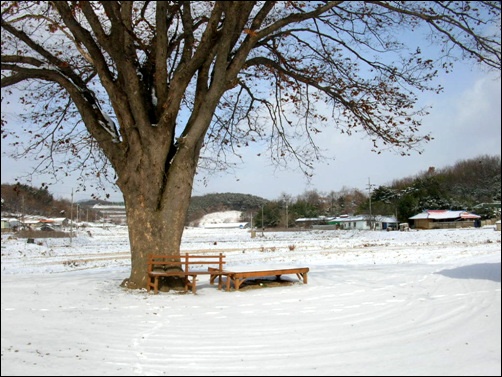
{"x": 376, "y": 303}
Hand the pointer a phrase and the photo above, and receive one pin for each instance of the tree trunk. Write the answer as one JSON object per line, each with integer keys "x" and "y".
{"x": 156, "y": 217}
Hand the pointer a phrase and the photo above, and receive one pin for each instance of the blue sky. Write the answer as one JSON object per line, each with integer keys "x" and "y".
{"x": 465, "y": 121}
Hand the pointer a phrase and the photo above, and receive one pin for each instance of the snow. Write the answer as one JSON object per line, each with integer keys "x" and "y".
{"x": 226, "y": 219}
{"x": 376, "y": 303}
{"x": 221, "y": 217}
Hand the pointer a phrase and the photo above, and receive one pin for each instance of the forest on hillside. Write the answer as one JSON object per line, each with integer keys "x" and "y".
{"x": 472, "y": 185}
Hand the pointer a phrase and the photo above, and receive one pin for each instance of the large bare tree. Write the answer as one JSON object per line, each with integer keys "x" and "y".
{"x": 149, "y": 86}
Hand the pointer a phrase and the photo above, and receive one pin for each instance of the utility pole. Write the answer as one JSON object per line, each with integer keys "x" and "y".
{"x": 253, "y": 231}
{"x": 287, "y": 219}
{"x": 71, "y": 216}
{"x": 369, "y": 194}
{"x": 262, "y": 228}
{"x": 22, "y": 213}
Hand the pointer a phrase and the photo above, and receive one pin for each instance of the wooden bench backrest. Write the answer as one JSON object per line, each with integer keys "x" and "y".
{"x": 186, "y": 260}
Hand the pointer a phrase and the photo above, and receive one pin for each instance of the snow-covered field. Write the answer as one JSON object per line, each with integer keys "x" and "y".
{"x": 376, "y": 303}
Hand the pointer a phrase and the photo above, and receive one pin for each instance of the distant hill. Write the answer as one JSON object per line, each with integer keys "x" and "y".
{"x": 209, "y": 203}
{"x": 20, "y": 198}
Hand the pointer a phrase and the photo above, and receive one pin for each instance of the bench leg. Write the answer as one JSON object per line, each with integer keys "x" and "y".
{"x": 156, "y": 285}
{"x": 187, "y": 283}
{"x": 213, "y": 277}
{"x": 194, "y": 284}
{"x": 237, "y": 283}
{"x": 302, "y": 276}
{"x": 191, "y": 284}
{"x": 217, "y": 273}
{"x": 219, "y": 282}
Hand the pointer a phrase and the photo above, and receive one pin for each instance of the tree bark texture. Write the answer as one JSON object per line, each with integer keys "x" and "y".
{"x": 156, "y": 215}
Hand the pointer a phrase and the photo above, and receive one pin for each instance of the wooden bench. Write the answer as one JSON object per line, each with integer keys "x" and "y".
{"x": 237, "y": 277}
{"x": 184, "y": 266}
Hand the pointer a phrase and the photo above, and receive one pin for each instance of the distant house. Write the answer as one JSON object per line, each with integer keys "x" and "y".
{"x": 364, "y": 222}
{"x": 112, "y": 213}
{"x": 61, "y": 221}
{"x": 358, "y": 222}
{"x": 11, "y": 223}
{"x": 442, "y": 219}
{"x": 57, "y": 222}
{"x": 31, "y": 222}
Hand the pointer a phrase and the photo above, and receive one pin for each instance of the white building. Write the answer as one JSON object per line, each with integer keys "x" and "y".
{"x": 112, "y": 213}
{"x": 358, "y": 222}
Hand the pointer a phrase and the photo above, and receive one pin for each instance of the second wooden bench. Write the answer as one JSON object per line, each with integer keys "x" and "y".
{"x": 238, "y": 276}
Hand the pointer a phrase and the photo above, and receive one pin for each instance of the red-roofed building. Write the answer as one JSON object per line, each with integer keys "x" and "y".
{"x": 444, "y": 218}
